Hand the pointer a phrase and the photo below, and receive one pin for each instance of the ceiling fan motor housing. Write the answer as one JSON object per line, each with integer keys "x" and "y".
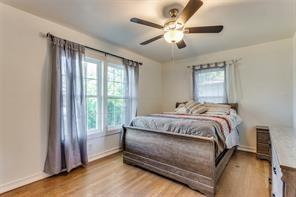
{"x": 174, "y": 12}
{"x": 172, "y": 23}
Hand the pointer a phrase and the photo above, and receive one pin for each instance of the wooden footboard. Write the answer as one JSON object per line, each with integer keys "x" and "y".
{"x": 188, "y": 159}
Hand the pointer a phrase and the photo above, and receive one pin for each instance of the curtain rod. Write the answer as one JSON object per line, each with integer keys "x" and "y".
{"x": 232, "y": 61}
{"x": 94, "y": 49}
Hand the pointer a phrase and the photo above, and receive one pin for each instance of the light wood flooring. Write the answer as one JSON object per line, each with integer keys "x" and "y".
{"x": 245, "y": 176}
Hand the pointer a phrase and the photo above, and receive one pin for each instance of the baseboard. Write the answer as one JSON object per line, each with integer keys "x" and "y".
{"x": 104, "y": 154}
{"x": 39, "y": 176}
{"x": 247, "y": 148}
{"x": 22, "y": 181}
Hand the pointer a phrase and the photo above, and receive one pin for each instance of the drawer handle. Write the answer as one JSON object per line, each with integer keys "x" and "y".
{"x": 274, "y": 170}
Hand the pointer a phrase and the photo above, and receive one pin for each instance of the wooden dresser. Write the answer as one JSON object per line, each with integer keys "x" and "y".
{"x": 283, "y": 143}
{"x": 263, "y": 143}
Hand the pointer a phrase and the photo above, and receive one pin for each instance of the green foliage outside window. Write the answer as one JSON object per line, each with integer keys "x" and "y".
{"x": 116, "y": 84}
{"x": 91, "y": 113}
{"x": 116, "y": 93}
{"x": 115, "y": 112}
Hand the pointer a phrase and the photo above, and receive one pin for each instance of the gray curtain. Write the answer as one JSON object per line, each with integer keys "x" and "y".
{"x": 131, "y": 91}
{"x": 132, "y": 75}
{"x": 67, "y": 139}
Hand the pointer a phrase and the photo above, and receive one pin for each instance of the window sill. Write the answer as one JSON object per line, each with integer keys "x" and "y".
{"x": 103, "y": 134}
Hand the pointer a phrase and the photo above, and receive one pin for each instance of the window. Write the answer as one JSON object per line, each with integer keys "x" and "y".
{"x": 116, "y": 90}
{"x": 94, "y": 99}
{"x": 106, "y": 95}
{"x": 210, "y": 85}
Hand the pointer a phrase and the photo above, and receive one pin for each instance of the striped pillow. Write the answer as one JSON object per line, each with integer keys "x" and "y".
{"x": 199, "y": 110}
{"x": 192, "y": 106}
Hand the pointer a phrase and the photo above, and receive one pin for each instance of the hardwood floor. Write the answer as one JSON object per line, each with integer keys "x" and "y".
{"x": 245, "y": 176}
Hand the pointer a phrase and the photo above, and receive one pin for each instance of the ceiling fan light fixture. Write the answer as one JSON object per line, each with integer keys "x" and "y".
{"x": 175, "y": 27}
{"x": 173, "y": 35}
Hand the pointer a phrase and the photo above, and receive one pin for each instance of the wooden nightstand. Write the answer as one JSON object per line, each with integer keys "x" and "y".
{"x": 263, "y": 143}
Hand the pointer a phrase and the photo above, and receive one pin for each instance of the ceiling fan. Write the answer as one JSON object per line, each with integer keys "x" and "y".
{"x": 174, "y": 29}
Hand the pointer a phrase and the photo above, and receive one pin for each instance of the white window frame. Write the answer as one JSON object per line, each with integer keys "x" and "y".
{"x": 112, "y": 61}
{"x": 195, "y": 81}
{"x": 92, "y": 133}
{"x": 102, "y": 95}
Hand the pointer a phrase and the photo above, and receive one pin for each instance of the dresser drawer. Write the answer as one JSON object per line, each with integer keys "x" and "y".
{"x": 263, "y": 143}
{"x": 263, "y": 148}
{"x": 263, "y": 138}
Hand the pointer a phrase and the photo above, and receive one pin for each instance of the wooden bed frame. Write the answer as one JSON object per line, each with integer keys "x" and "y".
{"x": 188, "y": 159}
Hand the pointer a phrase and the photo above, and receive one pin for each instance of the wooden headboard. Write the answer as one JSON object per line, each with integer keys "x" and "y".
{"x": 233, "y": 105}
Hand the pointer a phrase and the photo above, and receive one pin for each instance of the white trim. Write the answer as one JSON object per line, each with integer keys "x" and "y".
{"x": 247, "y": 148}
{"x": 39, "y": 176}
{"x": 22, "y": 181}
{"x": 102, "y": 134}
{"x": 104, "y": 154}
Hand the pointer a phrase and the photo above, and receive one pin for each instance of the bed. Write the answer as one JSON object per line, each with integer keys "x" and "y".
{"x": 190, "y": 157}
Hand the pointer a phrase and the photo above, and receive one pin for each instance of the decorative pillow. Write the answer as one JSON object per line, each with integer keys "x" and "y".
{"x": 181, "y": 109}
{"x": 199, "y": 110}
{"x": 194, "y": 107}
{"x": 180, "y": 103}
{"x": 191, "y": 106}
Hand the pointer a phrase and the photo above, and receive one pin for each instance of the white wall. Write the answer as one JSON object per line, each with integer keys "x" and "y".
{"x": 25, "y": 85}
{"x": 265, "y": 73}
{"x": 294, "y": 81}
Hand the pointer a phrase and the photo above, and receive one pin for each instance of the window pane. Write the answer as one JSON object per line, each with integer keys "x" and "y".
{"x": 91, "y": 86}
{"x": 91, "y": 70}
{"x": 210, "y": 84}
{"x": 92, "y": 113}
{"x": 111, "y": 71}
{"x": 116, "y": 81}
{"x": 116, "y": 112}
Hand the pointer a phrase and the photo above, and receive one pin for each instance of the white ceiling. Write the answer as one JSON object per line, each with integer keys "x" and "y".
{"x": 246, "y": 22}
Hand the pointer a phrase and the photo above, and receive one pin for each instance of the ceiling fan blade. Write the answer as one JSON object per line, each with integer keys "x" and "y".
{"x": 181, "y": 44}
{"x": 147, "y": 23}
{"x": 204, "y": 29}
{"x": 151, "y": 40}
{"x": 189, "y": 10}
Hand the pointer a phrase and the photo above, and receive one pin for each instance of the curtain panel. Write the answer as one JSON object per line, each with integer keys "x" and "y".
{"x": 132, "y": 75}
{"x": 232, "y": 83}
{"x": 67, "y": 138}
